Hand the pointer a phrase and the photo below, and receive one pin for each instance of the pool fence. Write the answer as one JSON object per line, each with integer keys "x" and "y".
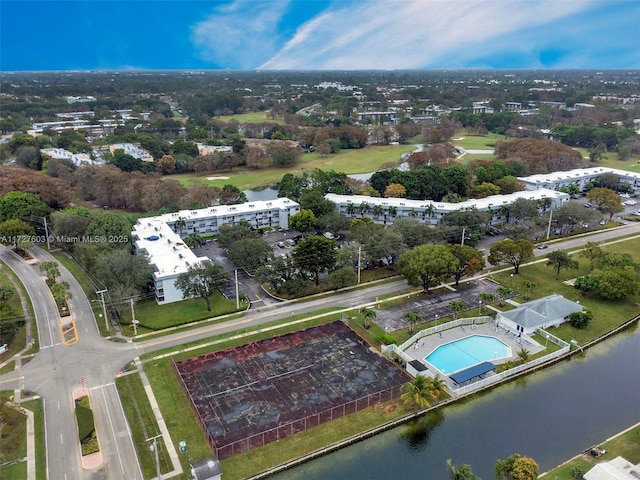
{"x": 398, "y": 352}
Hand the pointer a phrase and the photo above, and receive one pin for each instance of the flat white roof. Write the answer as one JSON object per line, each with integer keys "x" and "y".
{"x": 165, "y": 249}
{"x": 225, "y": 210}
{"x": 492, "y": 201}
{"x": 576, "y": 174}
{"x": 168, "y": 252}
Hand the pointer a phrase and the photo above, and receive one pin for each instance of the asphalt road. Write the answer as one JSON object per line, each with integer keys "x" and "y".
{"x": 93, "y": 362}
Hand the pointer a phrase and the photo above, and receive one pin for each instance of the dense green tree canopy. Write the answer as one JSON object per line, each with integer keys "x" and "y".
{"x": 510, "y": 251}
{"x": 250, "y": 253}
{"x": 314, "y": 255}
{"x": 304, "y": 221}
{"x": 23, "y": 206}
{"x": 427, "y": 265}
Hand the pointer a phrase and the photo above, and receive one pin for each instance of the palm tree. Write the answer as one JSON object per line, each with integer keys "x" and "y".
{"x": 438, "y": 386}
{"x": 486, "y": 298}
{"x": 462, "y": 472}
{"x": 368, "y": 314}
{"x": 60, "y": 292}
{"x": 181, "y": 224}
{"x": 417, "y": 393}
{"x": 377, "y": 210}
{"x": 351, "y": 209}
{"x": 430, "y": 210}
{"x": 393, "y": 211}
{"x": 413, "y": 213}
{"x": 456, "y": 306}
{"x": 412, "y": 318}
{"x": 523, "y": 354}
{"x": 506, "y": 211}
{"x": 364, "y": 208}
{"x": 503, "y": 292}
{"x": 529, "y": 285}
{"x": 194, "y": 241}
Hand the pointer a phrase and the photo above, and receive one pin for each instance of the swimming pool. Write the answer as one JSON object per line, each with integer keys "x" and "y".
{"x": 467, "y": 352}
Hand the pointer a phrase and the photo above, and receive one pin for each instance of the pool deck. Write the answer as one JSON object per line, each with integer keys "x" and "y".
{"x": 426, "y": 345}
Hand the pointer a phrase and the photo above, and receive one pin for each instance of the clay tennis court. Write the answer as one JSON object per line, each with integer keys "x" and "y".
{"x": 258, "y": 393}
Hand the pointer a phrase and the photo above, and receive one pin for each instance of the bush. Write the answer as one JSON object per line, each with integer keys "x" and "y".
{"x": 580, "y": 319}
{"x": 90, "y": 444}
{"x": 387, "y": 339}
{"x": 84, "y": 417}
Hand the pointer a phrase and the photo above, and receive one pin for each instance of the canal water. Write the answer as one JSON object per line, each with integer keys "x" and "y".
{"x": 550, "y": 416}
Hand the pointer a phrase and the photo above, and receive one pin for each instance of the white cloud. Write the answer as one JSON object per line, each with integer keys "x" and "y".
{"x": 383, "y": 34}
{"x": 240, "y": 34}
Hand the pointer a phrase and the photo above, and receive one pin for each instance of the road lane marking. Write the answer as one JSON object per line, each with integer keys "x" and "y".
{"x": 61, "y": 439}
{"x": 113, "y": 432}
{"x": 58, "y": 404}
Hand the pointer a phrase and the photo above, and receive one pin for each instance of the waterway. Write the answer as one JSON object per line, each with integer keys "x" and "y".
{"x": 550, "y": 416}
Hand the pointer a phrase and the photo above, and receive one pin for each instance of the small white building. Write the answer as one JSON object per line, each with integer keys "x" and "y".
{"x": 544, "y": 312}
{"x": 617, "y": 469}
{"x": 386, "y": 210}
{"x": 133, "y": 150}
{"x": 161, "y": 238}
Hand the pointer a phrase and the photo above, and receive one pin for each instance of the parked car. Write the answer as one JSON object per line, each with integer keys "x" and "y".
{"x": 280, "y": 244}
{"x": 543, "y": 246}
{"x": 603, "y": 222}
{"x": 329, "y": 235}
{"x": 588, "y": 205}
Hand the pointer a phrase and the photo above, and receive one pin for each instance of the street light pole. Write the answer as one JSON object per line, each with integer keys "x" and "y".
{"x": 104, "y": 307}
{"x": 134, "y": 321}
{"x": 237, "y": 291}
{"x": 154, "y": 449}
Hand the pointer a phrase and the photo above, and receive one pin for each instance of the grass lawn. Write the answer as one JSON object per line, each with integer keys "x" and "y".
{"x": 88, "y": 287}
{"x": 142, "y": 423}
{"x": 251, "y": 117}
{"x": 363, "y": 160}
{"x": 476, "y": 142}
{"x": 19, "y": 342}
{"x": 153, "y": 317}
{"x": 14, "y": 441}
{"x": 607, "y": 314}
{"x": 626, "y": 445}
{"x": 611, "y": 160}
{"x": 38, "y": 420}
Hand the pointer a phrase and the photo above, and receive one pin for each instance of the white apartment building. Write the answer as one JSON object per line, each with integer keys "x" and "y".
{"x": 78, "y": 159}
{"x": 579, "y": 177}
{"x": 386, "y": 210}
{"x": 161, "y": 238}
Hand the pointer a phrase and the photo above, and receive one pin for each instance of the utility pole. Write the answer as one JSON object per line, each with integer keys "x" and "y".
{"x": 104, "y": 307}
{"x": 46, "y": 232}
{"x": 133, "y": 320}
{"x": 237, "y": 291}
{"x": 154, "y": 449}
{"x": 359, "y": 254}
{"x": 549, "y": 226}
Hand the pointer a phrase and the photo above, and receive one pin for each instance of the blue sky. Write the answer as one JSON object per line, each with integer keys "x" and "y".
{"x": 318, "y": 34}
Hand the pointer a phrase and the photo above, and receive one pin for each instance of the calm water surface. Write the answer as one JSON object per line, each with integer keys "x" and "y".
{"x": 550, "y": 416}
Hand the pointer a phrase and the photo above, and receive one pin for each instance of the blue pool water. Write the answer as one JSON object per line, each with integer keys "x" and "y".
{"x": 466, "y": 352}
